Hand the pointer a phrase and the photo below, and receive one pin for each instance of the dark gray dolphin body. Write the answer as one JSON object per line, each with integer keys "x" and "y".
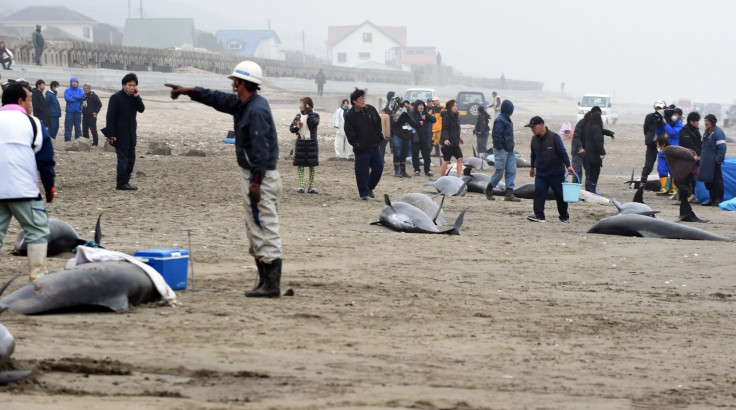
{"x": 648, "y": 227}
{"x": 113, "y": 284}
{"x": 637, "y": 206}
{"x": 426, "y": 204}
{"x": 475, "y": 163}
{"x": 7, "y": 344}
{"x": 450, "y": 186}
{"x": 526, "y": 191}
{"x": 478, "y": 182}
{"x": 403, "y": 217}
{"x": 650, "y": 185}
{"x": 62, "y": 238}
{"x": 520, "y": 162}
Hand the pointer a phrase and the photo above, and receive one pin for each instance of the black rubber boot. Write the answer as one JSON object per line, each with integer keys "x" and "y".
{"x": 489, "y": 193}
{"x": 397, "y": 170}
{"x": 403, "y": 170}
{"x": 261, "y": 275}
{"x": 272, "y": 282}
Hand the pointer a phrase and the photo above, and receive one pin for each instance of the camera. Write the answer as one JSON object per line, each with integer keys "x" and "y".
{"x": 20, "y": 81}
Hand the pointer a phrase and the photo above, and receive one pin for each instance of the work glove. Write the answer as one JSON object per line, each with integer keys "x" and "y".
{"x": 177, "y": 90}
{"x": 602, "y": 156}
{"x": 50, "y": 193}
{"x": 254, "y": 191}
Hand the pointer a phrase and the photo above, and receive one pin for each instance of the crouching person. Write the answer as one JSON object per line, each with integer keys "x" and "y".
{"x": 25, "y": 148}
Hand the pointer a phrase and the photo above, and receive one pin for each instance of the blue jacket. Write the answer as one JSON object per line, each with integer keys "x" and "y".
{"x": 549, "y": 154}
{"x": 73, "y": 97}
{"x": 53, "y": 104}
{"x": 674, "y": 132}
{"x": 45, "y": 161}
{"x": 121, "y": 119}
{"x": 503, "y": 128}
{"x": 256, "y": 143}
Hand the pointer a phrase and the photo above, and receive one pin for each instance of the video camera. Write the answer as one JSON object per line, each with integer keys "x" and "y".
{"x": 20, "y": 81}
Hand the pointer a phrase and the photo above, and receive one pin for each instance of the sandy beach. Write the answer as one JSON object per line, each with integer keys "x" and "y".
{"x": 509, "y": 314}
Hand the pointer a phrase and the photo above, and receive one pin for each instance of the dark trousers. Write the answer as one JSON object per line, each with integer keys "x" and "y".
{"x": 37, "y": 56}
{"x": 6, "y": 62}
{"x": 89, "y": 123}
{"x": 382, "y": 147}
{"x": 368, "y": 170}
{"x": 715, "y": 188}
{"x": 542, "y": 183}
{"x": 425, "y": 146}
{"x": 126, "y": 161}
{"x": 649, "y": 159}
{"x": 72, "y": 119}
{"x": 53, "y": 126}
{"x": 593, "y": 171}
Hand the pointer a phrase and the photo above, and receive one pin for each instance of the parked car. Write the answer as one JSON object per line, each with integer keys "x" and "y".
{"x": 468, "y": 103}
{"x": 685, "y": 104}
{"x": 413, "y": 94}
{"x": 730, "y": 116}
{"x": 601, "y": 100}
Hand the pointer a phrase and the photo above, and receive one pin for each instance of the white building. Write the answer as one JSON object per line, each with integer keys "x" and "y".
{"x": 56, "y": 22}
{"x": 365, "y": 45}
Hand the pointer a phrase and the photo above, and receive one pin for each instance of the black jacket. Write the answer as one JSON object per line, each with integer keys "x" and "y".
{"x": 306, "y": 150}
{"x": 450, "y": 129}
{"x": 363, "y": 128}
{"x": 91, "y": 103}
{"x": 402, "y": 126}
{"x": 578, "y": 136}
{"x": 690, "y": 138}
{"x": 424, "y": 130}
{"x": 594, "y": 144}
{"x": 121, "y": 121}
{"x": 40, "y": 110}
{"x": 652, "y": 122}
{"x": 481, "y": 124}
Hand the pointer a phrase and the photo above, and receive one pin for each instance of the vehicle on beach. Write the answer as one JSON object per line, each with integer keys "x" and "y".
{"x": 601, "y": 100}
{"x": 730, "y": 116}
{"x": 413, "y": 94}
{"x": 468, "y": 103}
{"x": 685, "y": 104}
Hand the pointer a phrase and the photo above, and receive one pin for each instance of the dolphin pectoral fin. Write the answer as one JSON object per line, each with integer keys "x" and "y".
{"x": 458, "y": 223}
{"x": 13, "y": 376}
{"x": 439, "y": 210}
{"x": 616, "y": 204}
{"x": 639, "y": 195}
{"x": 376, "y": 223}
{"x": 5, "y": 286}
{"x": 117, "y": 303}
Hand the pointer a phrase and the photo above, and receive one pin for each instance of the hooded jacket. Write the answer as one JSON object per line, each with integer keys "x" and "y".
{"x": 53, "y": 103}
{"x": 503, "y": 128}
{"x": 73, "y": 96}
{"x": 673, "y": 132}
{"x": 424, "y": 130}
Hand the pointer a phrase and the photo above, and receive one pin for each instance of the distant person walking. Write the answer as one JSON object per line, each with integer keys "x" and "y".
{"x": 121, "y": 128}
{"x": 73, "y": 97}
{"x": 38, "y": 44}
{"x": 594, "y": 151}
{"x": 504, "y": 159}
{"x": 549, "y": 162}
{"x": 342, "y": 148}
{"x": 320, "y": 79}
{"x": 306, "y": 149}
{"x": 363, "y": 129}
{"x": 482, "y": 130}
{"x": 91, "y": 106}
{"x": 52, "y": 102}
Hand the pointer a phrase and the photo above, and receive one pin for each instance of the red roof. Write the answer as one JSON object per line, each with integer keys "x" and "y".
{"x": 337, "y": 33}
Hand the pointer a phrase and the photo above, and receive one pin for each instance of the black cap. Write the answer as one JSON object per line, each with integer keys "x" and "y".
{"x": 536, "y": 120}
{"x": 678, "y": 111}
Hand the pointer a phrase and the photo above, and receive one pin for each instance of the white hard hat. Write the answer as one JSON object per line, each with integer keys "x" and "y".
{"x": 660, "y": 104}
{"x": 248, "y": 71}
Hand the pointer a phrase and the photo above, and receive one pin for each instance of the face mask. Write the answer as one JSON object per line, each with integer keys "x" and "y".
{"x": 674, "y": 118}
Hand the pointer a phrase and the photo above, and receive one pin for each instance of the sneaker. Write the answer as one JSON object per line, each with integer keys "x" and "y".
{"x": 417, "y": 173}
{"x": 429, "y": 173}
{"x": 312, "y": 191}
{"x": 300, "y": 190}
{"x": 564, "y": 221}
{"x": 534, "y": 218}
{"x": 371, "y": 194}
{"x": 365, "y": 198}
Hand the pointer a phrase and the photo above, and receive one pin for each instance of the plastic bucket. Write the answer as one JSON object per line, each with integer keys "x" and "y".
{"x": 571, "y": 191}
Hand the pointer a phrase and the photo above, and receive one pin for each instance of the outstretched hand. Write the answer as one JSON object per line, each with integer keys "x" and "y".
{"x": 177, "y": 90}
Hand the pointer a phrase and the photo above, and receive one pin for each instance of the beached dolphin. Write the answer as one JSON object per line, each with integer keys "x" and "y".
{"x": 651, "y": 185}
{"x": 526, "y": 191}
{"x": 7, "y": 343}
{"x": 648, "y": 227}
{"x": 112, "y": 284}
{"x": 637, "y": 205}
{"x": 63, "y": 238}
{"x": 427, "y": 205}
{"x": 520, "y": 162}
{"x": 404, "y": 217}
{"x": 589, "y": 197}
{"x": 478, "y": 182}
{"x": 450, "y": 186}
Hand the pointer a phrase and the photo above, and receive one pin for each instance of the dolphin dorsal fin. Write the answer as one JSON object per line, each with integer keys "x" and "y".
{"x": 639, "y": 195}
{"x": 616, "y": 204}
{"x": 98, "y": 232}
{"x": 474, "y": 153}
{"x": 386, "y": 200}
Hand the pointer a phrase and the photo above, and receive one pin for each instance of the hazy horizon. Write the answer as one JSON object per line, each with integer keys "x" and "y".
{"x": 636, "y": 51}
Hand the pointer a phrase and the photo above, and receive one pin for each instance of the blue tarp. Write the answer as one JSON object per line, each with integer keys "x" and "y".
{"x": 729, "y": 184}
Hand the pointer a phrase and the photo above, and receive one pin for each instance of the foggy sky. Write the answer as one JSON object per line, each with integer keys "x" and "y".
{"x": 638, "y": 51}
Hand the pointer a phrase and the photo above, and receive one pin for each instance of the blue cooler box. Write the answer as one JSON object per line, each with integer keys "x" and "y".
{"x": 172, "y": 264}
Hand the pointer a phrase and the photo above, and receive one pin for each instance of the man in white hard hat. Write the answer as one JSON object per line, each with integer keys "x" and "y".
{"x": 257, "y": 150}
{"x": 653, "y": 128}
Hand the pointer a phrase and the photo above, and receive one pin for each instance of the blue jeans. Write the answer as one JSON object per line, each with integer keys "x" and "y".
{"x": 368, "y": 170}
{"x": 53, "y": 127}
{"x": 504, "y": 162}
{"x": 542, "y": 183}
{"x": 402, "y": 149}
{"x": 72, "y": 119}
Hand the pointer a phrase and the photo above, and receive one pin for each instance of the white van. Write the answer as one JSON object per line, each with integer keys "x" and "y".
{"x": 601, "y": 100}
{"x": 413, "y": 94}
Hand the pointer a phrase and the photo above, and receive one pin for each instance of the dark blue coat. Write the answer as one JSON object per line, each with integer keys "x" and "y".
{"x": 121, "y": 121}
{"x": 548, "y": 154}
{"x": 53, "y": 103}
{"x": 503, "y": 128}
{"x": 256, "y": 142}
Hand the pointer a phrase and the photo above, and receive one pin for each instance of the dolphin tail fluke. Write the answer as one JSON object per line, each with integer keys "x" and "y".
{"x": 458, "y": 223}
{"x": 98, "y": 231}
{"x": 5, "y": 286}
{"x": 475, "y": 154}
{"x": 639, "y": 195}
